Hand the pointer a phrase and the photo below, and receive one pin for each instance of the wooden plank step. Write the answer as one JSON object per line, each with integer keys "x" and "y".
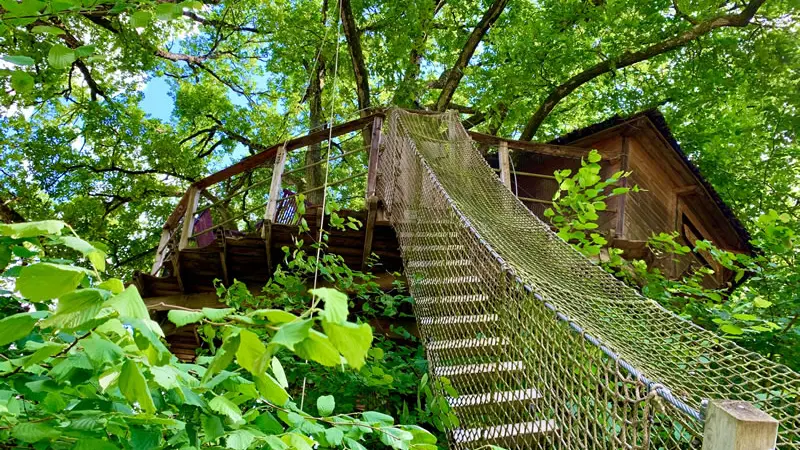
{"x": 466, "y": 326}
{"x": 479, "y": 369}
{"x": 451, "y": 299}
{"x": 467, "y": 344}
{"x": 435, "y": 248}
{"x": 508, "y": 433}
{"x": 448, "y": 280}
{"x": 428, "y": 234}
{"x": 501, "y": 398}
{"x": 458, "y": 320}
{"x": 438, "y": 263}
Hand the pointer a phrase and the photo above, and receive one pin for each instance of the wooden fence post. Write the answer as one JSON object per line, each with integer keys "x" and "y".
{"x": 505, "y": 170}
{"x": 374, "y": 149}
{"x": 272, "y": 204}
{"x": 738, "y": 425}
{"x": 162, "y": 247}
{"x": 188, "y": 217}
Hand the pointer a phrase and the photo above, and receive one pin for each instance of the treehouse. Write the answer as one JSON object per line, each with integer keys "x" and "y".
{"x": 236, "y": 224}
{"x": 538, "y": 344}
{"x": 674, "y": 196}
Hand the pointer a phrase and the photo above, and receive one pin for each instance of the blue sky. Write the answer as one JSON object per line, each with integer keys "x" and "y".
{"x": 157, "y": 101}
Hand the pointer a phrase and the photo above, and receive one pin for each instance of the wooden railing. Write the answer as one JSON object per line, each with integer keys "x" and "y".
{"x": 179, "y": 229}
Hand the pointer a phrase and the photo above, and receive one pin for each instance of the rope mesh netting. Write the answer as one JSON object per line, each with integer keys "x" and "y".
{"x": 544, "y": 348}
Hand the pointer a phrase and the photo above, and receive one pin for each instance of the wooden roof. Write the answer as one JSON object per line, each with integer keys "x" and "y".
{"x": 653, "y": 119}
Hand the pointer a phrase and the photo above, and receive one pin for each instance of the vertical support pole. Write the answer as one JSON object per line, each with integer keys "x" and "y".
{"x": 162, "y": 247}
{"x": 374, "y": 150}
{"x": 738, "y": 425}
{"x": 623, "y": 163}
{"x": 275, "y": 187}
{"x": 369, "y": 231}
{"x": 272, "y": 204}
{"x": 188, "y": 217}
{"x": 505, "y": 166}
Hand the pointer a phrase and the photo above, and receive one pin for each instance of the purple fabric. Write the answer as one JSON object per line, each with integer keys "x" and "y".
{"x": 202, "y": 223}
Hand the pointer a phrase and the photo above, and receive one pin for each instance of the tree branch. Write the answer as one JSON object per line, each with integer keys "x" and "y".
{"x": 457, "y": 72}
{"x": 629, "y": 58}
{"x": 353, "y": 36}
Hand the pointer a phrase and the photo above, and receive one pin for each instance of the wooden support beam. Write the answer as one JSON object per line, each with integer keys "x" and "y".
{"x": 624, "y": 166}
{"x": 160, "y": 251}
{"x": 176, "y": 269}
{"x": 223, "y": 259}
{"x": 505, "y": 168}
{"x": 374, "y": 152}
{"x": 738, "y": 425}
{"x": 369, "y": 231}
{"x": 188, "y": 217}
{"x": 564, "y": 151}
{"x": 275, "y": 187}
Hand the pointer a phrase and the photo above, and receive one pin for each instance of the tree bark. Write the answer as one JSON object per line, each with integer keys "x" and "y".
{"x": 8, "y": 215}
{"x": 630, "y": 58}
{"x": 353, "y": 36}
{"x": 457, "y": 72}
{"x": 405, "y": 95}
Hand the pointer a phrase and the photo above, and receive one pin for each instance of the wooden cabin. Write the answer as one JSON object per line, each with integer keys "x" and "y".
{"x": 674, "y": 195}
{"x": 205, "y": 238}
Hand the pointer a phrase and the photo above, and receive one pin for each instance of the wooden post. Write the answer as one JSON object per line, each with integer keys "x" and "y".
{"x": 188, "y": 217}
{"x": 369, "y": 231}
{"x": 162, "y": 247}
{"x": 275, "y": 187}
{"x": 505, "y": 169}
{"x": 272, "y": 204}
{"x": 619, "y": 232}
{"x": 738, "y": 425}
{"x": 374, "y": 150}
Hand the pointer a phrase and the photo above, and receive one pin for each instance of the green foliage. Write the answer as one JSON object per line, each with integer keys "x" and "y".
{"x": 760, "y": 313}
{"x": 83, "y": 363}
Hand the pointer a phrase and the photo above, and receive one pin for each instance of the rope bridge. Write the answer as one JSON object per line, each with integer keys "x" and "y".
{"x": 545, "y": 349}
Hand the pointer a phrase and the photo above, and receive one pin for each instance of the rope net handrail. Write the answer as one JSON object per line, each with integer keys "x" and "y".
{"x": 545, "y": 349}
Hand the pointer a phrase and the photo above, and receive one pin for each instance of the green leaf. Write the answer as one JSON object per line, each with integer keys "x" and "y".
{"x": 32, "y": 432}
{"x": 335, "y": 304}
{"x": 101, "y": 350}
{"x": 60, "y": 56}
{"x": 267, "y": 423}
{"x": 227, "y": 408}
{"x": 731, "y": 329}
{"x": 212, "y": 427}
{"x": 84, "y": 51}
{"x": 239, "y": 439}
{"x": 760, "y": 302}
{"x": 144, "y": 439}
{"x": 317, "y": 347}
{"x": 594, "y": 156}
{"x": 183, "y": 318}
{"x": 75, "y": 309}
{"x": 134, "y": 387}
{"x": 745, "y": 317}
{"x": 275, "y": 315}
{"x": 298, "y": 441}
{"x": 16, "y": 327}
{"x": 114, "y": 285}
{"x": 280, "y": 375}
{"x": 45, "y": 29}
{"x": 95, "y": 256}
{"x": 223, "y": 357}
{"x": 334, "y": 436}
{"x": 325, "y": 405}
{"x": 376, "y": 418}
{"x": 270, "y": 389}
{"x": 130, "y": 304}
{"x": 31, "y": 229}
{"x": 352, "y": 341}
{"x": 252, "y": 353}
{"x": 217, "y": 314}
{"x": 44, "y": 281}
{"x": 141, "y": 19}
{"x": 165, "y": 376}
{"x": 47, "y": 350}
{"x": 291, "y": 333}
{"x": 19, "y": 60}
{"x": 168, "y": 11}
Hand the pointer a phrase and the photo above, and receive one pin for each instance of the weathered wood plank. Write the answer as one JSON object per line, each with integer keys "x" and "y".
{"x": 505, "y": 169}
{"x": 374, "y": 151}
{"x": 738, "y": 425}
{"x": 188, "y": 217}
{"x": 565, "y": 151}
{"x": 369, "y": 230}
